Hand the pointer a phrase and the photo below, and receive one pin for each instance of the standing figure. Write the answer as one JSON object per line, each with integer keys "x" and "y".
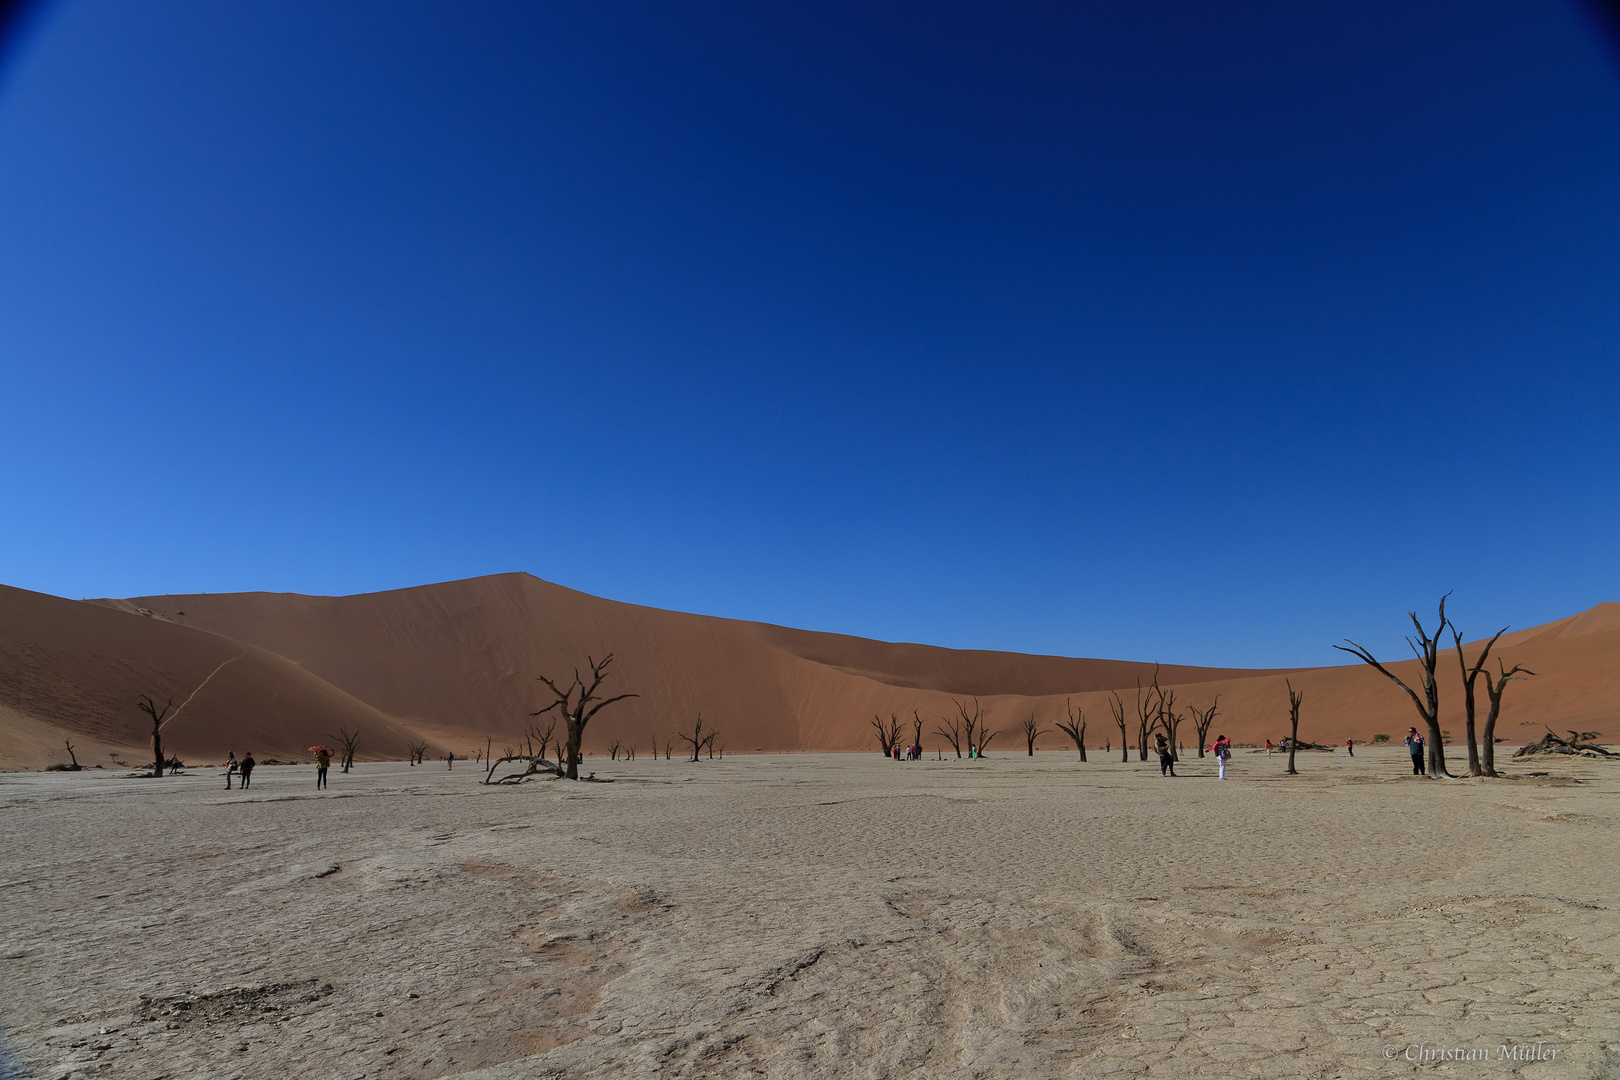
{"x": 1223, "y": 753}
{"x": 1414, "y": 746}
{"x": 323, "y": 760}
{"x": 246, "y": 769}
{"x": 230, "y": 768}
{"x": 1350, "y": 745}
{"x": 450, "y": 758}
{"x": 1167, "y": 759}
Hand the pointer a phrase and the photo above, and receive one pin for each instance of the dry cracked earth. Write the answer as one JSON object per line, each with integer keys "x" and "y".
{"x": 813, "y": 916}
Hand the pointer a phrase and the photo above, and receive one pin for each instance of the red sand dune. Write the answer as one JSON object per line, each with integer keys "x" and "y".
{"x": 457, "y": 662}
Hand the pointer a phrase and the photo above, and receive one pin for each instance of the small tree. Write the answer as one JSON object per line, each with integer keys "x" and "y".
{"x": 1075, "y": 728}
{"x": 75, "y": 767}
{"x": 575, "y": 714}
{"x": 697, "y": 740}
{"x": 349, "y": 742}
{"x": 1203, "y": 721}
{"x": 1494, "y": 689}
{"x": 971, "y": 721}
{"x": 1032, "y": 731}
{"x": 150, "y": 708}
{"x": 916, "y": 730}
{"x": 1294, "y": 698}
{"x": 1427, "y": 649}
{"x": 950, "y": 729}
{"x": 888, "y": 732}
{"x": 418, "y": 750}
{"x": 1116, "y": 706}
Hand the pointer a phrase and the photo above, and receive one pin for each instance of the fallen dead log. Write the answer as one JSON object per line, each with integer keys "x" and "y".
{"x": 1572, "y": 746}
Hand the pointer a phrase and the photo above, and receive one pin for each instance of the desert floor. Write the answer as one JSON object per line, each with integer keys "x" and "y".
{"x": 816, "y": 916}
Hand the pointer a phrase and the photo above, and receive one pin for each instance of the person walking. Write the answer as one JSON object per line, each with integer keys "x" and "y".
{"x": 246, "y": 769}
{"x": 1223, "y": 752}
{"x": 1268, "y": 748}
{"x": 1414, "y": 746}
{"x": 450, "y": 758}
{"x": 323, "y": 761}
{"x": 230, "y": 769}
{"x": 1167, "y": 759}
{"x": 1350, "y": 745}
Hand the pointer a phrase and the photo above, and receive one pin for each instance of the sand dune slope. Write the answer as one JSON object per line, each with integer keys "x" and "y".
{"x": 69, "y": 669}
{"x": 458, "y": 660}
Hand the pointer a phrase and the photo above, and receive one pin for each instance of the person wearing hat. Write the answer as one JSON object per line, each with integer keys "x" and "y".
{"x": 1414, "y": 746}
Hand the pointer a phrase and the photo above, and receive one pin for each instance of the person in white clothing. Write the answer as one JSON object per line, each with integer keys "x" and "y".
{"x": 1223, "y": 751}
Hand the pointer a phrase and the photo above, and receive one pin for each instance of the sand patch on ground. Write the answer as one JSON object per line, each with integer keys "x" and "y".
{"x": 810, "y": 916}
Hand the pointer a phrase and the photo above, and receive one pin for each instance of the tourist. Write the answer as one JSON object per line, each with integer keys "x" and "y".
{"x": 1268, "y": 748}
{"x": 450, "y": 761}
{"x": 246, "y": 769}
{"x": 1167, "y": 760}
{"x": 1350, "y": 745}
{"x": 323, "y": 759}
{"x": 230, "y": 767}
{"x": 1414, "y": 746}
{"x": 1223, "y": 752}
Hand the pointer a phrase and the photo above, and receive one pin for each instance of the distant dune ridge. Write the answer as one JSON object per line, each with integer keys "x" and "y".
{"x": 455, "y": 663}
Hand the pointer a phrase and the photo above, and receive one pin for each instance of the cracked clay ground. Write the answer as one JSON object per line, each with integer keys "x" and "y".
{"x": 811, "y": 916}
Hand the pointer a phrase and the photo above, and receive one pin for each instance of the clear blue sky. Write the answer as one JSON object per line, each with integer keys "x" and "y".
{"x": 1200, "y": 332}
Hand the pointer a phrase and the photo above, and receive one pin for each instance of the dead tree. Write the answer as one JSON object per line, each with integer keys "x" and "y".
{"x": 888, "y": 732}
{"x": 950, "y": 729}
{"x": 575, "y": 714}
{"x": 149, "y": 707}
{"x": 1427, "y": 650}
{"x": 1203, "y": 721}
{"x": 1579, "y": 742}
{"x": 1294, "y": 698}
{"x": 1075, "y": 728}
{"x": 697, "y": 740}
{"x": 916, "y": 730}
{"x": 974, "y": 722}
{"x": 1469, "y": 674}
{"x": 1032, "y": 731}
{"x": 532, "y": 753}
{"x": 75, "y": 767}
{"x": 1117, "y": 707}
{"x": 1169, "y": 719}
{"x": 1494, "y": 689}
{"x": 418, "y": 751}
{"x": 350, "y": 742}
{"x": 613, "y": 749}
{"x": 1149, "y": 712}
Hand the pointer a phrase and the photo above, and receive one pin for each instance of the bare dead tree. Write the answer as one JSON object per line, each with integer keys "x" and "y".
{"x": 1469, "y": 674}
{"x": 418, "y": 751}
{"x": 75, "y": 766}
{"x": 613, "y": 749}
{"x": 888, "y": 732}
{"x": 1169, "y": 719}
{"x": 1294, "y": 698}
{"x": 985, "y": 735}
{"x": 1075, "y": 728}
{"x": 1494, "y": 689}
{"x": 974, "y": 722}
{"x": 150, "y": 708}
{"x": 1426, "y": 649}
{"x": 950, "y": 729}
{"x": 916, "y": 730}
{"x": 1117, "y": 707}
{"x": 576, "y": 713}
{"x": 1149, "y": 712}
{"x": 697, "y": 740}
{"x": 1203, "y": 721}
{"x": 1032, "y": 731}
{"x": 350, "y": 742}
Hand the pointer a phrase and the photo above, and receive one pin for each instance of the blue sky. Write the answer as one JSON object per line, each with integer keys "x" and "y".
{"x": 1205, "y": 333}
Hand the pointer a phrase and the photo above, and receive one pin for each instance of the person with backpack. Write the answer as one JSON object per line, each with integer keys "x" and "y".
{"x": 1223, "y": 753}
{"x": 246, "y": 769}
{"x": 1414, "y": 746}
{"x": 323, "y": 760}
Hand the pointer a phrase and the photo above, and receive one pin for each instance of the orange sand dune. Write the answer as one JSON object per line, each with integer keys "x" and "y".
{"x": 74, "y": 670}
{"x": 457, "y": 660}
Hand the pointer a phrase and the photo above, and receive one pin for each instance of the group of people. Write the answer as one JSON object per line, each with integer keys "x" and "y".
{"x": 1222, "y": 749}
{"x": 244, "y": 768}
{"x": 906, "y": 753}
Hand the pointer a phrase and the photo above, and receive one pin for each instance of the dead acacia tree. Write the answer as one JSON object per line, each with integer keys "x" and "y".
{"x": 1032, "y": 731}
{"x": 1469, "y": 674}
{"x": 1117, "y": 706}
{"x": 916, "y": 730}
{"x": 1075, "y": 728}
{"x": 697, "y": 740}
{"x": 1294, "y": 698}
{"x": 888, "y": 732}
{"x": 532, "y": 752}
{"x": 1169, "y": 719}
{"x": 574, "y": 712}
{"x": 349, "y": 742}
{"x": 1426, "y": 648}
{"x": 1203, "y": 721}
{"x": 972, "y": 722}
{"x": 150, "y": 708}
{"x": 75, "y": 767}
{"x": 1494, "y": 690}
{"x": 950, "y": 729}
{"x": 418, "y": 751}
{"x": 1149, "y": 712}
